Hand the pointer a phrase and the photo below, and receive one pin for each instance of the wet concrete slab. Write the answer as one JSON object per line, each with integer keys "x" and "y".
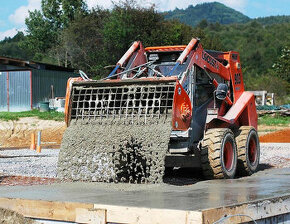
{"x": 265, "y": 184}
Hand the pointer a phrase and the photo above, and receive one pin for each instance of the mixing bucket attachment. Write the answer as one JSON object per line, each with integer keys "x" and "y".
{"x": 131, "y": 101}
{"x": 119, "y": 131}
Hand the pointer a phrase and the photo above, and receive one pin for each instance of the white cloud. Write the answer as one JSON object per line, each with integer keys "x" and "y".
{"x": 18, "y": 17}
{"x": 103, "y": 3}
{"x": 10, "y": 33}
{"x": 165, "y": 5}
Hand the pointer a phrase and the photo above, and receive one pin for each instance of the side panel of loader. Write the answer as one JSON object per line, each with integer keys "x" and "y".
{"x": 242, "y": 113}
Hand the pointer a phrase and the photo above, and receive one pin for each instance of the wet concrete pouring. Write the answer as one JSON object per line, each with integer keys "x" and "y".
{"x": 115, "y": 151}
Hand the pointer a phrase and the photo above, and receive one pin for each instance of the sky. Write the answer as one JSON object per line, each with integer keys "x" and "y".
{"x": 13, "y": 12}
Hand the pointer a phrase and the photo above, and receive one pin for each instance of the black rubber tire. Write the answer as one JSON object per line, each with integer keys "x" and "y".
{"x": 213, "y": 154}
{"x": 247, "y": 165}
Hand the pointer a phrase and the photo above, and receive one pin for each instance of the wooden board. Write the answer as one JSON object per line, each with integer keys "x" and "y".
{"x": 90, "y": 213}
{"x": 123, "y": 214}
{"x": 256, "y": 210}
{"x": 91, "y": 216}
{"x": 52, "y": 210}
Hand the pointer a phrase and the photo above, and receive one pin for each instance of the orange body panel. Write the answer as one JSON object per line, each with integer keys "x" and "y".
{"x": 182, "y": 109}
{"x": 139, "y": 58}
{"x": 67, "y": 98}
{"x": 206, "y": 61}
{"x": 243, "y": 112}
{"x": 235, "y": 69}
{"x": 187, "y": 50}
{"x": 165, "y": 48}
{"x": 130, "y": 51}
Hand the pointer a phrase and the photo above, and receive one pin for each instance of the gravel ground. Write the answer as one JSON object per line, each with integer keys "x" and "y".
{"x": 29, "y": 163}
{"x": 275, "y": 154}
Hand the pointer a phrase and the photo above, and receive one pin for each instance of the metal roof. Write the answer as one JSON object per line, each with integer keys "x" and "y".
{"x": 25, "y": 64}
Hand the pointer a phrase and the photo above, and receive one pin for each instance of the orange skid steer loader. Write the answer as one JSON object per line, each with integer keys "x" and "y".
{"x": 213, "y": 118}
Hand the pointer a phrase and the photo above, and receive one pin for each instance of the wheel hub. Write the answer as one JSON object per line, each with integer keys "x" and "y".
{"x": 228, "y": 155}
{"x": 252, "y": 152}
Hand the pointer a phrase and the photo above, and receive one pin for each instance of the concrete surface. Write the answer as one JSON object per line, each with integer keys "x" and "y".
{"x": 201, "y": 195}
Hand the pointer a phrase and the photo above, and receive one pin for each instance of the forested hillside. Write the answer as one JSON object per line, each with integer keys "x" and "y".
{"x": 91, "y": 40}
{"x": 264, "y": 50}
{"x": 212, "y": 12}
{"x": 11, "y": 47}
{"x": 270, "y": 20}
{"x": 215, "y": 12}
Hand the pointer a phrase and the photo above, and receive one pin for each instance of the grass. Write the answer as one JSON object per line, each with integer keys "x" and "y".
{"x": 276, "y": 120}
{"x": 14, "y": 116}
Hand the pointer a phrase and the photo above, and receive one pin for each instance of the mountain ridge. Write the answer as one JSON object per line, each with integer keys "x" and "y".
{"x": 215, "y": 12}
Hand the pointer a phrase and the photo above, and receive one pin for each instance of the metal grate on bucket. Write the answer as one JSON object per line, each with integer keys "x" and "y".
{"x": 130, "y": 102}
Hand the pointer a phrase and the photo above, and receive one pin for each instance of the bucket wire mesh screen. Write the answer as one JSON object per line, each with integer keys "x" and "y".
{"x": 117, "y": 102}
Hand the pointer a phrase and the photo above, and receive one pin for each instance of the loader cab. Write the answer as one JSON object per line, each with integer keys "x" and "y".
{"x": 202, "y": 97}
{"x": 164, "y": 62}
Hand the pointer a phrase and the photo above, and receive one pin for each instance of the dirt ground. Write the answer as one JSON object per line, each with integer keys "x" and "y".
{"x": 277, "y": 136}
{"x": 266, "y": 129}
{"x": 18, "y": 133}
{"x": 25, "y": 181}
{"x": 11, "y": 217}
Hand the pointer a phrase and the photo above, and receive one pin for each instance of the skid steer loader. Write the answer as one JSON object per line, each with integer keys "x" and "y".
{"x": 198, "y": 94}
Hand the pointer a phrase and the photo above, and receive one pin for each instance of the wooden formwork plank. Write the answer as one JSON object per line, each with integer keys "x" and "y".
{"x": 51, "y": 210}
{"x": 101, "y": 213}
{"x": 90, "y": 213}
{"x": 256, "y": 210}
{"x": 139, "y": 215}
{"x": 91, "y": 216}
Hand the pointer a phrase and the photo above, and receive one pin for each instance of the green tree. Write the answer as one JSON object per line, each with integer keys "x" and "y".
{"x": 128, "y": 22}
{"x": 61, "y": 12}
{"x": 82, "y": 43}
{"x": 203, "y": 24}
{"x": 173, "y": 32}
{"x": 41, "y": 34}
{"x": 10, "y": 47}
{"x": 282, "y": 66}
{"x": 43, "y": 27}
